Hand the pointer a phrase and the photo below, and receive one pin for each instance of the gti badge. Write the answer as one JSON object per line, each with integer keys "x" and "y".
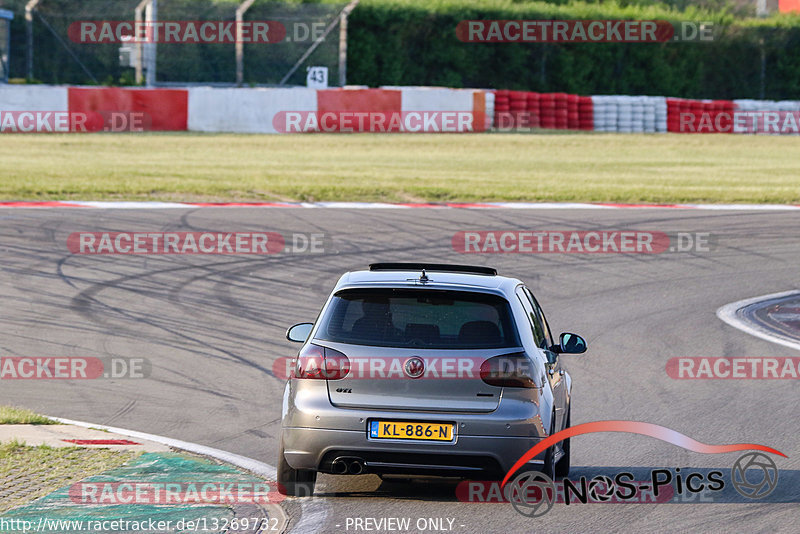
{"x": 414, "y": 367}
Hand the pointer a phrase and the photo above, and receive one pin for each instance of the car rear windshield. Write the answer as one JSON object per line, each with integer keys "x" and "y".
{"x": 436, "y": 319}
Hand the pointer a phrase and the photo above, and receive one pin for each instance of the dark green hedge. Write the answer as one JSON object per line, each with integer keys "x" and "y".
{"x": 413, "y": 42}
{"x": 394, "y": 44}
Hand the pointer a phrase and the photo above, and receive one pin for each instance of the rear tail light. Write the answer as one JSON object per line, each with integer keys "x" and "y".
{"x": 508, "y": 371}
{"x": 321, "y": 363}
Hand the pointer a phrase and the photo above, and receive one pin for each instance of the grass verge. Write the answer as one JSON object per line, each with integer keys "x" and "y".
{"x": 582, "y": 167}
{"x": 27, "y": 473}
{"x": 10, "y": 415}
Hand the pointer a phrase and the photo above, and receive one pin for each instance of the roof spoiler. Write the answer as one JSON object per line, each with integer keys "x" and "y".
{"x": 441, "y": 267}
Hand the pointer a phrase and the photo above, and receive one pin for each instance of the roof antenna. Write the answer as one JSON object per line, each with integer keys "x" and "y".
{"x": 424, "y": 277}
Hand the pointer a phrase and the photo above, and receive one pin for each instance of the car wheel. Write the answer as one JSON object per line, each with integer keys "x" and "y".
{"x": 294, "y": 482}
{"x": 562, "y": 467}
{"x": 549, "y": 467}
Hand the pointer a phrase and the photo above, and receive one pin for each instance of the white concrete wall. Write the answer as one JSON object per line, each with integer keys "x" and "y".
{"x": 33, "y": 98}
{"x": 244, "y": 110}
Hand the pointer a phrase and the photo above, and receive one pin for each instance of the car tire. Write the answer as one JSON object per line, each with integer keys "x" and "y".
{"x": 562, "y": 467}
{"x": 549, "y": 467}
{"x": 294, "y": 482}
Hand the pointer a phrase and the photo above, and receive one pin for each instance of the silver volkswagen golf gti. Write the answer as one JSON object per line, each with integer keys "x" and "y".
{"x": 424, "y": 370}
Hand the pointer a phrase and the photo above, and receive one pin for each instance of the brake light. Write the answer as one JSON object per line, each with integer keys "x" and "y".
{"x": 321, "y": 363}
{"x": 509, "y": 371}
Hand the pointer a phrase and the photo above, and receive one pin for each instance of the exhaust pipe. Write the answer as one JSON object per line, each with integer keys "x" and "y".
{"x": 356, "y": 467}
{"x": 339, "y": 467}
{"x": 343, "y": 465}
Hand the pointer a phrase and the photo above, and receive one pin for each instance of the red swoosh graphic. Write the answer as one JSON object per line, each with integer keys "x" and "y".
{"x": 634, "y": 427}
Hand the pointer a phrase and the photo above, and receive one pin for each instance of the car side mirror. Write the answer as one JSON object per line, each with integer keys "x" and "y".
{"x": 571, "y": 344}
{"x": 299, "y": 332}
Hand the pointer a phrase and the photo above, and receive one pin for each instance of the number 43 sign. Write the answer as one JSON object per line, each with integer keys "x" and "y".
{"x": 317, "y": 78}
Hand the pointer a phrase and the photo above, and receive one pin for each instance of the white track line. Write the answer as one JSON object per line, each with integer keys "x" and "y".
{"x": 313, "y": 510}
{"x": 743, "y": 207}
{"x": 730, "y": 314}
{"x": 130, "y": 205}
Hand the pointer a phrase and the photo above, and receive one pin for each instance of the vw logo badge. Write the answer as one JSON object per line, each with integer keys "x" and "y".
{"x": 414, "y": 367}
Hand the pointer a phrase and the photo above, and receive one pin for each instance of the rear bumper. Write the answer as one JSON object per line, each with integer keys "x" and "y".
{"x": 467, "y": 456}
{"x": 315, "y": 432}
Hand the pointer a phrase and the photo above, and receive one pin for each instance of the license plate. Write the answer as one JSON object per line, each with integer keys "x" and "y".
{"x": 411, "y": 430}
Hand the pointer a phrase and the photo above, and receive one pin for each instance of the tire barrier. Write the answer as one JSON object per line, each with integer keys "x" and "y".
{"x": 518, "y": 107}
{"x": 490, "y": 109}
{"x": 630, "y": 114}
{"x": 734, "y": 116}
{"x": 585, "y": 113}
{"x": 767, "y": 117}
{"x": 522, "y": 111}
{"x": 525, "y": 110}
{"x": 502, "y": 107}
{"x": 699, "y": 116}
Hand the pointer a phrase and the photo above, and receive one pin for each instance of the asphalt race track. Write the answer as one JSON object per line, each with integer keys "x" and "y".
{"x": 212, "y": 326}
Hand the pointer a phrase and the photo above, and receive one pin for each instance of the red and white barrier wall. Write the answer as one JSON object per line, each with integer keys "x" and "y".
{"x": 388, "y": 109}
{"x": 206, "y": 109}
{"x": 425, "y": 99}
{"x": 244, "y": 110}
{"x": 130, "y": 109}
{"x": 40, "y": 108}
{"x": 20, "y": 98}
